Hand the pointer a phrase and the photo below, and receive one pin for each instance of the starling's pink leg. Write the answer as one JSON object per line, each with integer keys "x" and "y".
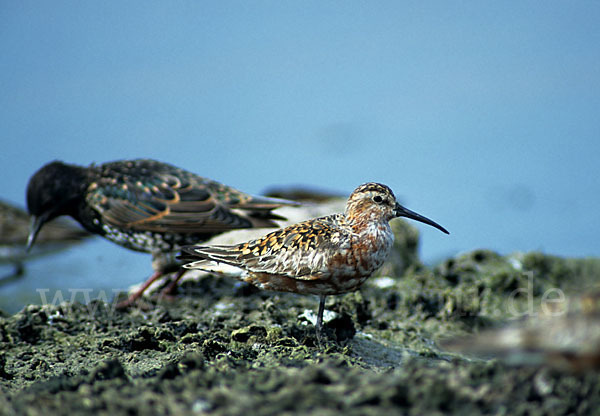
{"x": 169, "y": 289}
{"x": 135, "y": 296}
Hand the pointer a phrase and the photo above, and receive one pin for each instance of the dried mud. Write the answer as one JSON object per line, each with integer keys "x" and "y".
{"x": 225, "y": 348}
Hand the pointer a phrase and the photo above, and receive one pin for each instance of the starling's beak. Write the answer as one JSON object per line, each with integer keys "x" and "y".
{"x": 34, "y": 229}
{"x": 405, "y": 212}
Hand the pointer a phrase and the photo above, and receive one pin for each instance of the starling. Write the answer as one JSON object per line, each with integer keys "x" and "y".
{"x": 144, "y": 205}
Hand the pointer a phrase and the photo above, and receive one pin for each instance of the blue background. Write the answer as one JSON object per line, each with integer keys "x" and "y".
{"x": 483, "y": 116}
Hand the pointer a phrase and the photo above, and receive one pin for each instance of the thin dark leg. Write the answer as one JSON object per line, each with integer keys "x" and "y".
{"x": 320, "y": 318}
{"x": 135, "y": 296}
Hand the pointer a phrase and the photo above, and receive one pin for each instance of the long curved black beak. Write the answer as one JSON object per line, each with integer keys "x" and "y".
{"x": 405, "y": 212}
{"x": 34, "y": 229}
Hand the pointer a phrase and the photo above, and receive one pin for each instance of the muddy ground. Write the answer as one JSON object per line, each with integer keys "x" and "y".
{"x": 224, "y": 348}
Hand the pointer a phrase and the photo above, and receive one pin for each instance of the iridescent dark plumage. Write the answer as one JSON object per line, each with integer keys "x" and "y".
{"x": 144, "y": 205}
{"x": 323, "y": 256}
{"x": 14, "y": 228}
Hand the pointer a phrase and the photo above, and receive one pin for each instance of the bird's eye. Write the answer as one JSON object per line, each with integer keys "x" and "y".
{"x": 378, "y": 199}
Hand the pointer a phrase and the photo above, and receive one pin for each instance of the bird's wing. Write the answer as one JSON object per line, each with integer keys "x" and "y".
{"x": 153, "y": 196}
{"x": 302, "y": 251}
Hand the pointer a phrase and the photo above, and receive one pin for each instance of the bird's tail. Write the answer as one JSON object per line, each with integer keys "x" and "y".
{"x": 211, "y": 259}
{"x": 259, "y": 210}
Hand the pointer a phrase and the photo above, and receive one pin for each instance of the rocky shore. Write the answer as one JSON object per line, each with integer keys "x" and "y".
{"x": 224, "y": 348}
